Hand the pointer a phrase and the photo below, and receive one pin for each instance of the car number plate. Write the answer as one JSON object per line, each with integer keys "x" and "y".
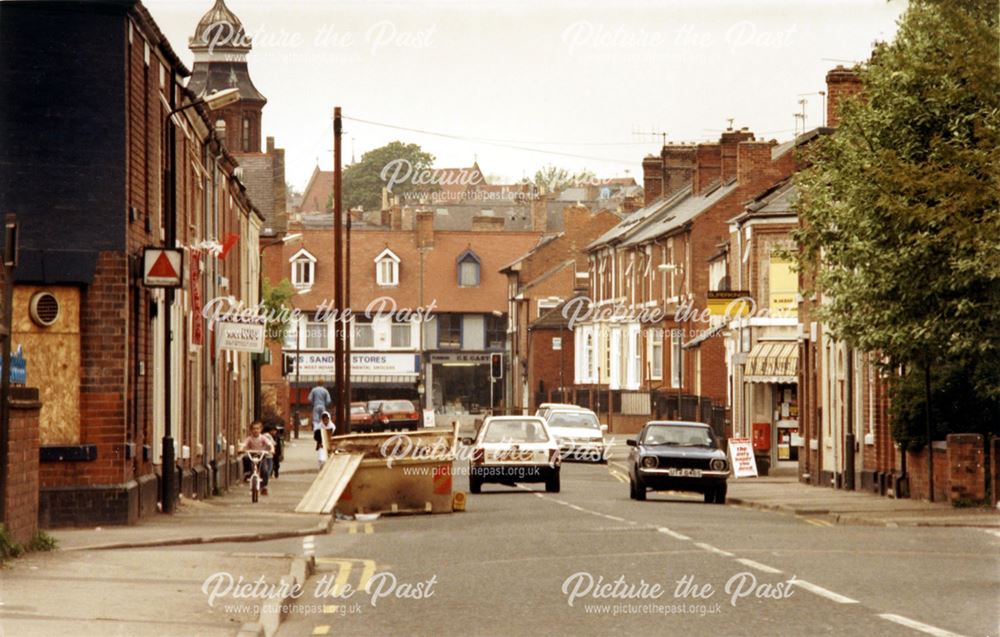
{"x": 685, "y": 473}
{"x": 514, "y": 455}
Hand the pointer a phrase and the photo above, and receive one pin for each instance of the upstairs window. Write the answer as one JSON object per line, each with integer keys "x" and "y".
{"x": 401, "y": 335}
{"x": 496, "y": 331}
{"x": 303, "y": 269}
{"x": 449, "y": 331}
{"x": 468, "y": 270}
{"x": 246, "y": 133}
{"x": 364, "y": 334}
{"x": 387, "y": 269}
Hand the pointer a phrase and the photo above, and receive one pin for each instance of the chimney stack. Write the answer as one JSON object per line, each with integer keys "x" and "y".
{"x": 753, "y": 161}
{"x": 728, "y": 143}
{"x": 425, "y": 228}
{"x": 841, "y": 83}
{"x": 707, "y": 166}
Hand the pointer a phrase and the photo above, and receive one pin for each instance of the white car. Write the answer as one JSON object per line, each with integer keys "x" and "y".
{"x": 544, "y": 409}
{"x": 513, "y": 449}
{"x": 579, "y": 433}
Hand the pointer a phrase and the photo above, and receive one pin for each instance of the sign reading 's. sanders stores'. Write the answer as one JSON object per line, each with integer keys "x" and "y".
{"x": 322, "y": 364}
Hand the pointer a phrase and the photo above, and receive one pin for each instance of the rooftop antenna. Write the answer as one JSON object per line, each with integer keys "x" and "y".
{"x": 651, "y": 133}
{"x": 821, "y": 94}
{"x": 352, "y": 149}
{"x": 730, "y": 120}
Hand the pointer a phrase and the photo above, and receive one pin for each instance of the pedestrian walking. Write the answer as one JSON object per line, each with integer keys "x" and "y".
{"x": 320, "y": 400}
{"x": 279, "y": 446}
{"x": 327, "y": 425}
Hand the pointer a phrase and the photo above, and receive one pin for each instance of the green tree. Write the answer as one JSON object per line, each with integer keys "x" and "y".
{"x": 551, "y": 178}
{"x": 277, "y": 304}
{"x": 396, "y": 166}
{"x": 900, "y": 209}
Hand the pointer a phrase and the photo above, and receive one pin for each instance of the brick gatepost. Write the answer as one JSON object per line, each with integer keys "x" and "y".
{"x": 21, "y": 494}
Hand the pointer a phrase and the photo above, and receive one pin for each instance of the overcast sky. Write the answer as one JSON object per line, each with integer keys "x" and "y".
{"x": 576, "y": 84}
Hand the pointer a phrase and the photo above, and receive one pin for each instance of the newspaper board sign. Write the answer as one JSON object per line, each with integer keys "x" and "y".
{"x": 741, "y": 458}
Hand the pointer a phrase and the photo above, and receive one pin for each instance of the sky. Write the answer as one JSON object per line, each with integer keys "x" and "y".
{"x": 517, "y": 85}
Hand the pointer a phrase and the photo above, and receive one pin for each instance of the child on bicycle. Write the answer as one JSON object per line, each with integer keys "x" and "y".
{"x": 257, "y": 441}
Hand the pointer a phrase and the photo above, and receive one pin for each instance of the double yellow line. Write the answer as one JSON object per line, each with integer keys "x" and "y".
{"x": 352, "y": 528}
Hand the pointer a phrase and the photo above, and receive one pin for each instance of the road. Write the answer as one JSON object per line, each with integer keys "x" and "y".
{"x": 586, "y": 562}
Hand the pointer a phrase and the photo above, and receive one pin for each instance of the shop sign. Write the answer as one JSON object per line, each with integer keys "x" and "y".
{"x": 241, "y": 337}
{"x": 362, "y": 364}
{"x": 742, "y": 459}
{"x": 457, "y": 357}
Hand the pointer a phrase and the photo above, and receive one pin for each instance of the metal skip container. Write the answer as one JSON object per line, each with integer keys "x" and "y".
{"x": 400, "y": 471}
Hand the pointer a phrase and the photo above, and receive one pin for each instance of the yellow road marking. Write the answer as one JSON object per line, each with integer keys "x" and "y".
{"x": 352, "y": 528}
{"x": 321, "y": 630}
{"x": 618, "y": 476}
{"x": 815, "y": 522}
{"x": 369, "y": 528}
{"x": 344, "y": 568}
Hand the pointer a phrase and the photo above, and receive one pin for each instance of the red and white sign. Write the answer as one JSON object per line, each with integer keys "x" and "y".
{"x": 197, "y": 320}
{"x": 162, "y": 268}
{"x": 741, "y": 457}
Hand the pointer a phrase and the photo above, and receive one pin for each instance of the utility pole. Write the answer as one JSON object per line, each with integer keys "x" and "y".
{"x": 170, "y": 240}
{"x": 347, "y": 324}
{"x": 10, "y": 254}
{"x": 338, "y": 279}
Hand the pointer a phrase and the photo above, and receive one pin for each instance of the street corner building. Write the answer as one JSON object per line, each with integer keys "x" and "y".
{"x": 86, "y": 93}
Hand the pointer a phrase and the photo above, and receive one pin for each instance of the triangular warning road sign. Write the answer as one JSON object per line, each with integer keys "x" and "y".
{"x": 163, "y": 268}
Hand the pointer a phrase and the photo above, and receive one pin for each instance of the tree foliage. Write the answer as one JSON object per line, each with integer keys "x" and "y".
{"x": 551, "y": 178}
{"x": 275, "y": 299}
{"x": 900, "y": 208}
{"x": 363, "y": 181}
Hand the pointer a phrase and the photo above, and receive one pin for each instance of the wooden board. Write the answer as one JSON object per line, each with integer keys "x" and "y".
{"x": 328, "y": 486}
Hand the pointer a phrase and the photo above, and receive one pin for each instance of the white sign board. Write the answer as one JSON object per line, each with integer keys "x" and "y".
{"x": 556, "y": 343}
{"x": 428, "y": 418}
{"x": 240, "y": 337}
{"x": 322, "y": 364}
{"x": 162, "y": 268}
{"x": 741, "y": 457}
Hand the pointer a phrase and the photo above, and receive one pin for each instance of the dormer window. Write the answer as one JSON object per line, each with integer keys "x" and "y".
{"x": 303, "y": 269}
{"x": 468, "y": 270}
{"x": 387, "y": 269}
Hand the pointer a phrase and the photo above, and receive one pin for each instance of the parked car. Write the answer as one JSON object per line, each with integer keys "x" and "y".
{"x": 396, "y": 414}
{"x": 544, "y": 409}
{"x": 361, "y": 418}
{"x": 579, "y": 433}
{"x": 677, "y": 456}
{"x": 514, "y": 449}
{"x": 373, "y": 406}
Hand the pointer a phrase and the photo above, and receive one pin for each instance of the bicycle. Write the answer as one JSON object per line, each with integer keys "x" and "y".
{"x": 256, "y": 457}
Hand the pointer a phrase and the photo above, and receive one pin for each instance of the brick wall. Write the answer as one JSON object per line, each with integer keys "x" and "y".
{"x": 545, "y": 363}
{"x": 841, "y": 83}
{"x": 916, "y": 465}
{"x": 21, "y": 497}
{"x": 966, "y": 468}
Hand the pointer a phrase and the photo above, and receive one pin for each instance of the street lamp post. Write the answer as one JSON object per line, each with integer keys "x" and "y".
{"x": 211, "y": 102}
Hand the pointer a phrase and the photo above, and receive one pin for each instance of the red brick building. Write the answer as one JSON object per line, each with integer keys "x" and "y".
{"x": 97, "y": 353}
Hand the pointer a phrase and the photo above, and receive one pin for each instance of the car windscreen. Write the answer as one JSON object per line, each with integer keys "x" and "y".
{"x": 515, "y": 431}
{"x": 678, "y": 435}
{"x": 358, "y": 409}
{"x": 573, "y": 419}
{"x": 397, "y": 405}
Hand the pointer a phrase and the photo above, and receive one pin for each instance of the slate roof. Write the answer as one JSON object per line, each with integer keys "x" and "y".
{"x": 682, "y": 212}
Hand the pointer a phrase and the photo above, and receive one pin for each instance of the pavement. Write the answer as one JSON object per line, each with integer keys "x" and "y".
{"x": 781, "y": 491}
{"x": 86, "y": 588}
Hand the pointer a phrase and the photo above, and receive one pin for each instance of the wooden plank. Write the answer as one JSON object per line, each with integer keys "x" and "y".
{"x": 328, "y": 486}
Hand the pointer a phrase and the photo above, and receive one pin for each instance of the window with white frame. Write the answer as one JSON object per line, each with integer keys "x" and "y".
{"x": 362, "y": 334}
{"x": 676, "y": 358}
{"x": 401, "y": 335}
{"x": 303, "y": 269}
{"x": 387, "y": 269}
{"x": 317, "y": 335}
{"x": 588, "y": 357}
{"x": 544, "y": 305}
{"x": 468, "y": 270}
{"x": 655, "y": 339}
{"x": 717, "y": 275}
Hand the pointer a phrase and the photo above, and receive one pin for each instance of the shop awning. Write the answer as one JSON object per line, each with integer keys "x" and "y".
{"x": 359, "y": 380}
{"x": 773, "y": 362}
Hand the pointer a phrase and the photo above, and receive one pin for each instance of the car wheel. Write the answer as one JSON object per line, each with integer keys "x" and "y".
{"x": 552, "y": 484}
{"x": 475, "y": 484}
{"x": 710, "y": 495}
{"x": 720, "y": 495}
{"x": 638, "y": 490}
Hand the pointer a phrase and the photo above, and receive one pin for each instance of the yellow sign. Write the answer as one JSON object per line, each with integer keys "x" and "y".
{"x": 730, "y": 303}
{"x": 783, "y": 288}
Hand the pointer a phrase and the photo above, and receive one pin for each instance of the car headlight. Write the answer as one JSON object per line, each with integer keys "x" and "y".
{"x": 649, "y": 462}
{"x": 718, "y": 464}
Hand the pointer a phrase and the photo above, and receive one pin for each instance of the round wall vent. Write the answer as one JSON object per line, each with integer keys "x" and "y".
{"x": 44, "y": 309}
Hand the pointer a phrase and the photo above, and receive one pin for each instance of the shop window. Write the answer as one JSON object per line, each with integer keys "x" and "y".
{"x": 468, "y": 270}
{"x": 449, "y": 331}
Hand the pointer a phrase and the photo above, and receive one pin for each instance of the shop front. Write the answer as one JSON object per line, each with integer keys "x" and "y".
{"x": 460, "y": 383}
{"x": 770, "y": 385}
{"x": 374, "y": 375}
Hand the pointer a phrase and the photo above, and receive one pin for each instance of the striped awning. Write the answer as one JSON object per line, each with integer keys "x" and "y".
{"x": 773, "y": 362}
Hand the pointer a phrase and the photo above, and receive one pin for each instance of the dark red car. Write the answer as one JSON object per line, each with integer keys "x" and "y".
{"x": 361, "y": 418}
{"x": 397, "y": 414}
